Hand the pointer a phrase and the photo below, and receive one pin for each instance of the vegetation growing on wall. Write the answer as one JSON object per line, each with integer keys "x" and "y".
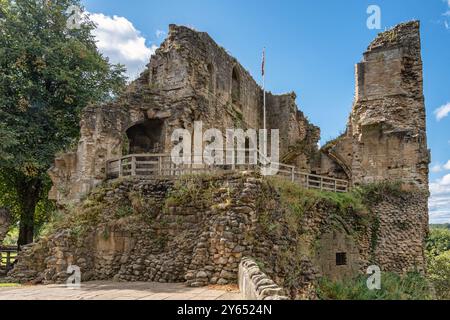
{"x": 192, "y": 189}
{"x": 298, "y": 201}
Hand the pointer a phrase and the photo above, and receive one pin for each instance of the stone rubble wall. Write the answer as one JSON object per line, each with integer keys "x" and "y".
{"x": 178, "y": 232}
{"x": 256, "y": 285}
{"x": 386, "y": 140}
{"x": 165, "y": 243}
{"x": 401, "y": 230}
{"x": 197, "y": 230}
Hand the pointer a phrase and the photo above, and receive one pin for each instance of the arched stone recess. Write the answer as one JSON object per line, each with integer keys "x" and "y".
{"x": 146, "y": 136}
{"x": 337, "y": 254}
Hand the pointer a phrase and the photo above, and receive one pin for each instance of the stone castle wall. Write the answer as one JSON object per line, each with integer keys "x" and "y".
{"x": 196, "y": 230}
{"x": 189, "y": 78}
{"x": 386, "y": 134}
{"x": 400, "y": 230}
{"x": 386, "y": 140}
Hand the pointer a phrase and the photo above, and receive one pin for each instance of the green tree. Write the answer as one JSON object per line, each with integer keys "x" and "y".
{"x": 48, "y": 74}
{"x": 439, "y": 274}
{"x": 438, "y": 241}
{"x": 438, "y": 257}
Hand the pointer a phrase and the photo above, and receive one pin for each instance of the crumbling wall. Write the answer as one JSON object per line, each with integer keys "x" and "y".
{"x": 400, "y": 231}
{"x": 298, "y": 137}
{"x": 386, "y": 133}
{"x": 386, "y": 140}
{"x": 194, "y": 230}
{"x": 189, "y": 78}
{"x": 151, "y": 231}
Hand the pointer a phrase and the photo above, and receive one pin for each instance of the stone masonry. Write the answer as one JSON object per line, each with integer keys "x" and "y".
{"x": 189, "y": 78}
{"x": 386, "y": 140}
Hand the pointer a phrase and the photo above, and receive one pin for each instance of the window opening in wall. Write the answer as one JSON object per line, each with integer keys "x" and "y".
{"x": 341, "y": 258}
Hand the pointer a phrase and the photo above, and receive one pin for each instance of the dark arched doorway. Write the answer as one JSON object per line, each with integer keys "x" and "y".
{"x": 146, "y": 137}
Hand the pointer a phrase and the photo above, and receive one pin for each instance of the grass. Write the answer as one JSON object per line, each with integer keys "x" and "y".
{"x": 9, "y": 285}
{"x": 191, "y": 190}
{"x": 374, "y": 193}
{"x": 411, "y": 286}
{"x": 300, "y": 200}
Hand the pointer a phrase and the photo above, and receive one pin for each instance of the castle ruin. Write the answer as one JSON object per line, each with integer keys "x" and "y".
{"x": 190, "y": 78}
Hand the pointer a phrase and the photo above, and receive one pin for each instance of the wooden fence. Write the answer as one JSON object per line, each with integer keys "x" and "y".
{"x": 161, "y": 165}
{"x": 8, "y": 255}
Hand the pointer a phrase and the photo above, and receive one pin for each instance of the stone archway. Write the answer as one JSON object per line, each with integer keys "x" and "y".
{"x": 146, "y": 137}
{"x": 338, "y": 256}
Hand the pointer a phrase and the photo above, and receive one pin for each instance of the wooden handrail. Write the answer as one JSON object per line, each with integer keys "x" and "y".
{"x": 130, "y": 165}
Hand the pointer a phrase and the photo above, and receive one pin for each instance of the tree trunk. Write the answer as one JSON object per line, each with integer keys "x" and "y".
{"x": 29, "y": 191}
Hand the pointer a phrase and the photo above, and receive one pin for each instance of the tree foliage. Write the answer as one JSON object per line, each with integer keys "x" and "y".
{"x": 48, "y": 74}
{"x": 438, "y": 257}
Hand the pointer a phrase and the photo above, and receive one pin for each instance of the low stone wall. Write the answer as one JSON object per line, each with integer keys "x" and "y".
{"x": 191, "y": 230}
{"x": 256, "y": 285}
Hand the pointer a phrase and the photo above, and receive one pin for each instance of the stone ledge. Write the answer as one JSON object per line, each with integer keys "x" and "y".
{"x": 256, "y": 285}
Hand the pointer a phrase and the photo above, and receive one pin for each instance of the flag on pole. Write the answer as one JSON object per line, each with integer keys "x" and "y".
{"x": 263, "y": 62}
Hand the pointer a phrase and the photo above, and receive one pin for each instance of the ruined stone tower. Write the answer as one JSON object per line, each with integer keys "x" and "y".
{"x": 386, "y": 140}
{"x": 386, "y": 134}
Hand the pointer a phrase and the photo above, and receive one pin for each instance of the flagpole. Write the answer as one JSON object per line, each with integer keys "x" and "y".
{"x": 264, "y": 89}
{"x": 263, "y": 67}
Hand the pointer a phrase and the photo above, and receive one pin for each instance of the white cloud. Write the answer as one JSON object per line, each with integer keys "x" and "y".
{"x": 119, "y": 40}
{"x": 439, "y": 203}
{"x": 160, "y": 33}
{"x": 447, "y": 14}
{"x": 442, "y": 111}
{"x": 447, "y": 165}
{"x": 441, "y": 186}
{"x": 439, "y": 167}
{"x": 436, "y": 168}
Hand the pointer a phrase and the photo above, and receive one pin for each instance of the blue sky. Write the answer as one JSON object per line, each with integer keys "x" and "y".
{"x": 312, "y": 47}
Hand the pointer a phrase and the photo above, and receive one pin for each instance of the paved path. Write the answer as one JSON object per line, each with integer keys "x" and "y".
{"x": 105, "y": 290}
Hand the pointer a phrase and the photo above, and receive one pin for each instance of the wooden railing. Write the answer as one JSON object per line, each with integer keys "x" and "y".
{"x": 8, "y": 255}
{"x": 312, "y": 181}
{"x": 154, "y": 165}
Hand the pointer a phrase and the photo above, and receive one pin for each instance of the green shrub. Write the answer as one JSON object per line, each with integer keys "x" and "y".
{"x": 299, "y": 200}
{"x": 438, "y": 241}
{"x": 411, "y": 286}
{"x": 11, "y": 237}
{"x": 195, "y": 189}
{"x": 124, "y": 211}
{"x": 374, "y": 193}
{"x": 438, "y": 258}
{"x": 439, "y": 274}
